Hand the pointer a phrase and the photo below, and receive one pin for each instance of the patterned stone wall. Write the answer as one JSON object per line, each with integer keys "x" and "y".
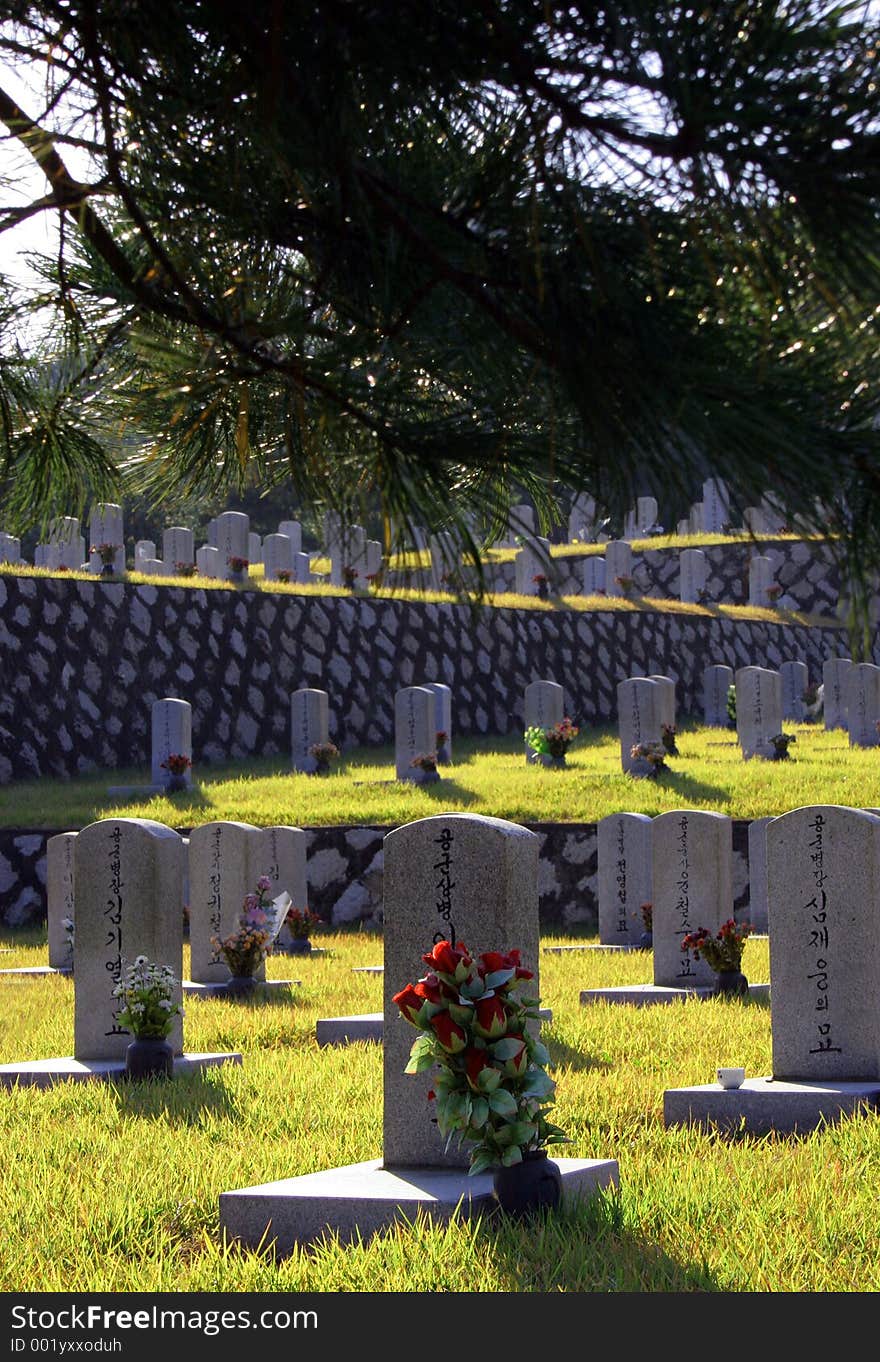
{"x": 82, "y": 662}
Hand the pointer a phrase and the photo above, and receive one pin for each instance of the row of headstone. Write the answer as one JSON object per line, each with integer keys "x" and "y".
{"x": 350, "y": 551}
{"x": 421, "y": 714}
{"x": 718, "y": 679}
{"x": 764, "y": 697}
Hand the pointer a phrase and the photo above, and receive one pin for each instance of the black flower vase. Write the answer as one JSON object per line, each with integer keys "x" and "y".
{"x": 240, "y": 985}
{"x": 300, "y": 945}
{"x": 646, "y": 941}
{"x": 731, "y": 983}
{"x": 149, "y": 1057}
{"x": 528, "y": 1186}
{"x": 108, "y": 570}
{"x": 175, "y": 784}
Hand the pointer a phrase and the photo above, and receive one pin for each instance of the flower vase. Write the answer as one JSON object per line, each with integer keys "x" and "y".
{"x": 546, "y": 759}
{"x": 543, "y": 592}
{"x": 240, "y": 985}
{"x": 174, "y": 784}
{"x": 149, "y": 1057}
{"x": 300, "y": 945}
{"x": 108, "y": 570}
{"x": 646, "y": 941}
{"x": 322, "y": 768}
{"x": 527, "y": 1186}
{"x": 731, "y": 982}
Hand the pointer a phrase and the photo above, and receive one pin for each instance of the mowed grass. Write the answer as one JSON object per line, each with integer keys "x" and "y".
{"x": 488, "y": 776}
{"x": 115, "y": 1187}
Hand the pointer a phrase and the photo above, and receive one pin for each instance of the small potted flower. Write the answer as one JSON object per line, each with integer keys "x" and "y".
{"x": 650, "y": 758}
{"x": 177, "y": 765}
{"x": 550, "y": 745}
{"x": 542, "y": 585}
{"x": 107, "y": 554}
{"x": 374, "y": 579}
{"x": 491, "y": 1087}
{"x": 323, "y": 753}
{"x": 442, "y": 743}
{"x": 245, "y": 949}
{"x": 780, "y": 743}
{"x": 667, "y": 736}
{"x": 299, "y": 925}
{"x": 723, "y": 953}
{"x": 238, "y": 567}
{"x": 186, "y": 569}
{"x": 148, "y": 993}
{"x": 283, "y": 575}
{"x": 426, "y": 764}
{"x": 626, "y": 584}
{"x": 646, "y": 913}
{"x": 773, "y": 592}
{"x": 349, "y": 576}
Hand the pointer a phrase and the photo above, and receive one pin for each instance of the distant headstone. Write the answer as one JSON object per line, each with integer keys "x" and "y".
{"x": 543, "y": 707}
{"x": 10, "y": 549}
{"x": 823, "y": 886}
{"x": 863, "y": 704}
{"x": 624, "y": 876}
{"x": 618, "y": 564}
{"x": 309, "y": 724}
{"x": 153, "y": 567}
{"x": 458, "y": 877}
{"x": 255, "y": 547}
{"x": 529, "y": 563}
{"x": 171, "y": 730}
{"x": 178, "y": 547}
{"x": 233, "y": 531}
{"x": 639, "y": 717}
{"x": 758, "y": 709}
{"x": 443, "y": 717}
{"x": 582, "y": 520}
{"x": 693, "y": 574}
{"x": 794, "y": 682}
{"x": 667, "y": 699}
{"x": 716, "y": 505}
{"x": 277, "y": 556}
{"x": 225, "y": 861}
{"x": 755, "y": 521}
{"x": 128, "y": 877}
{"x": 758, "y": 912}
{"x": 144, "y": 548}
{"x": 415, "y": 730}
{"x": 106, "y": 527}
{"x": 60, "y": 898}
{"x": 594, "y": 575}
{"x": 293, "y": 530}
{"x": 302, "y": 567}
{"x": 683, "y": 528}
{"x": 212, "y": 533}
{"x": 208, "y": 562}
{"x": 67, "y": 547}
{"x": 717, "y": 681}
{"x": 693, "y": 888}
{"x": 445, "y": 563}
{"x": 760, "y": 578}
{"x": 695, "y": 518}
{"x": 834, "y": 673}
{"x": 373, "y": 555}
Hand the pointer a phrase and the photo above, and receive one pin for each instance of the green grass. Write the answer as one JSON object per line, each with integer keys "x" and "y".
{"x": 489, "y": 776}
{"x": 115, "y": 1187}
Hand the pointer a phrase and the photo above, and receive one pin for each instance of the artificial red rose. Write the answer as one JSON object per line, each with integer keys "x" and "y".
{"x": 516, "y": 1066}
{"x": 449, "y": 959}
{"x": 491, "y": 962}
{"x": 475, "y": 1062}
{"x": 490, "y": 1019}
{"x": 449, "y": 1033}
{"x": 434, "y": 990}
{"x": 410, "y": 1003}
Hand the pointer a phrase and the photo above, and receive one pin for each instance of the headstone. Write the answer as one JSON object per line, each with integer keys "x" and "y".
{"x": 144, "y": 548}
{"x": 225, "y": 861}
{"x": 646, "y": 514}
{"x": 443, "y": 718}
{"x": 282, "y": 854}
{"x": 212, "y": 533}
{"x": 618, "y": 564}
{"x": 717, "y": 681}
{"x": 683, "y": 528}
{"x": 639, "y": 718}
{"x": 153, "y": 567}
{"x": 760, "y": 578}
{"x": 60, "y": 897}
{"x": 667, "y": 701}
{"x": 415, "y": 730}
{"x": 758, "y": 709}
{"x": 444, "y": 560}
{"x": 208, "y": 562}
{"x": 543, "y": 707}
{"x": 349, "y": 550}
{"x": 106, "y": 527}
{"x": 40, "y": 555}
{"x": 309, "y": 723}
{"x": 823, "y": 886}
{"x": 67, "y": 547}
{"x": 128, "y": 876}
{"x": 10, "y": 549}
{"x": 594, "y": 575}
{"x": 293, "y": 530}
{"x": 695, "y": 518}
{"x": 171, "y": 728}
{"x": 624, "y": 876}
{"x": 373, "y": 558}
{"x": 277, "y": 556}
{"x": 834, "y": 675}
{"x": 458, "y": 877}
{"x": 582, "y": 520}
{"x": 755, "y": 521}
{"x": 233, "y": 531}
{"x": 522, "y": 522}
{"x": 693, "y": 574}
{"x": 528, "y": 563}
{"x": 178, "y": 547}
{"x": 757, "y": 911}
{"x": 716, "y": 505}
{"x": 302, "y": 567}
{"x": 255, "y": 547}
{"x": 863, "y": 704}
{"x": 794, "y": 682}
{"x": 693, "y": 888}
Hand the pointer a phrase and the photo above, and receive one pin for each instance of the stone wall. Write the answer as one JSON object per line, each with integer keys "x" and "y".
{"x": 82, "y": 662}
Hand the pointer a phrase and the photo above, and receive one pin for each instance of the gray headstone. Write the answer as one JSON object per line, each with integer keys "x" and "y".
{"x": 208, "y": 562}
{"x": 646, "y": 513}
{"x": 106, "y": 527}
{"x": 153, "y": 567}
{"x": 695, "y": 518}
{"x": 457, "y": 877}
{"x": 171, "y": 730}
{"x": 522, "y": 522}
{"x": 760, "y": 578}
{"x": 794, "y": 682}
{"x": 60, "y": 897}
{"x": 128, "y": 876}
{"x": 823, "y": 886}
{"x": 10, "y": 549}
{"x": 67, "y": 547}
{"x": 444, "y": 559}
{"x": 302, "y": 567}
{"x": 758, "y": 914}
{"x": 594, "y": 574}
{"x": 443, "y": 717}
{"x": 834, "y": 674}
{"x": 758, "y": 709}
{"x": 225, "y": 861}
{"x": 415, "y": 730}
{"x": 543, "y": 707}
{"x": 582, "y": 520}
{"x": 667, "y": 700}
{"x": 624, "y": 876}
{"x": 618, "y": 563}
{"x": 716, "y": 505}
{"x": 277, "y": 556}
{"x": 178, "y": 547}
{"x": 717, "y": 680}
{"x": 528, "y": 564}
{"x": 863, "y": 704}
{"x": 693, "y": 888}
{"x": 212, "y": 533}
{"x": 293, "y": 530}
{"x": 639, "y": 718}
{"x": 683, "y": 528}
{"x": 144, "y": 548}
{"x": 255, "y": 547}
{"x": 349, "y": 550}
{"x": 309, "y": 723}
{"x": 693, "y": 574}
{"x": 282, "y": 854}
{"x": 755, "y": 521}
{"x": 233, "y": 534}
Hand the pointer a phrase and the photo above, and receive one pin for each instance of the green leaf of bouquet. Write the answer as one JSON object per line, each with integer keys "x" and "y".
{"x": 502, "y": 1103}
{"x": 521, "y": 1132}
{"x": 499, "y": 977}
{"x": 537, "y": 1084}
{"x": 479, "y": 1112}
{"x": 472, "y": 988}
{"x": 506, "y": 1047}
{"x": 481, "y": 1162}
{"x": 539, "y": 1052}
{"x": 488, "y": 1079}
{"x": 511, "y": 1155}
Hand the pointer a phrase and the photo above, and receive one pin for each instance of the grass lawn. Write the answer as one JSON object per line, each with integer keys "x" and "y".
{"x": 114, "y": 1187}
{"x": 489, "y": 776}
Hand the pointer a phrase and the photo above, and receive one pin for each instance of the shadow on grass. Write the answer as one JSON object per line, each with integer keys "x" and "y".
{"x": 564, "y": 1056}
{"x": 182, "y": 1101}
{"x": 673, "y": 779}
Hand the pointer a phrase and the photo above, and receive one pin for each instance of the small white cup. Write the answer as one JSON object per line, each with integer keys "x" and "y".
{"x": 730, "y": 1078}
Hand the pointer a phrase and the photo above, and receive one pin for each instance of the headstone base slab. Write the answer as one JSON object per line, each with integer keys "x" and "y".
{"x": 365, "y": 1198}
{"x": 38, "y": 970}
{"x": 763, "y": 1105}
{"x": 642, "y": 995}
{"x": 43, "y": 1073}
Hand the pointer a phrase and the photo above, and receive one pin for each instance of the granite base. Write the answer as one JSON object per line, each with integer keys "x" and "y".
{"x": 762, "y": 1105}
{"x": 44, "y": 1073}
{"x": 642, "y": 995}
